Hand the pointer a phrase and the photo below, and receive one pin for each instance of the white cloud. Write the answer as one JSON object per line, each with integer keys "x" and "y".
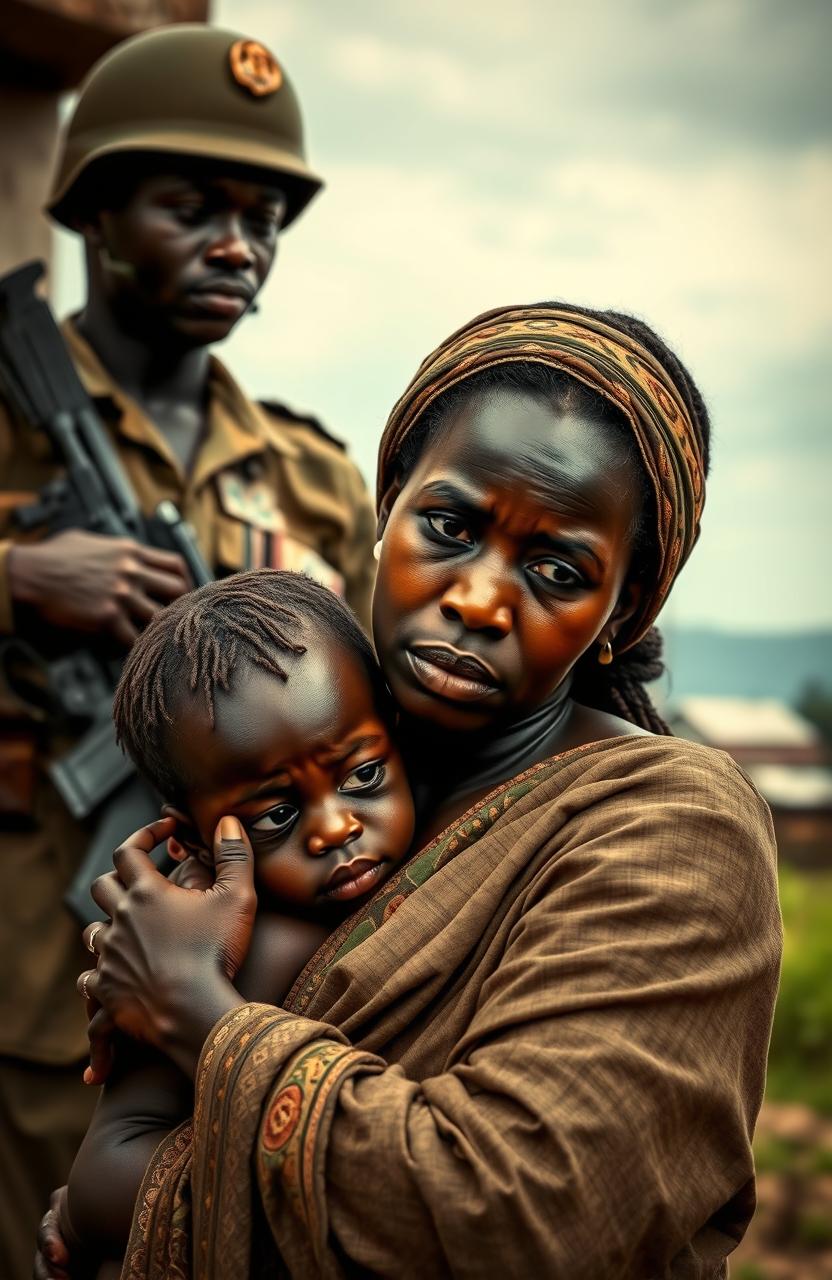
{"x": 731, "y": 262}
{"x": 373, "y": 65}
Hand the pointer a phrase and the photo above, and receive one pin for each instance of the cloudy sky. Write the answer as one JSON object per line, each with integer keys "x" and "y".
{"x": 667, "y": 157}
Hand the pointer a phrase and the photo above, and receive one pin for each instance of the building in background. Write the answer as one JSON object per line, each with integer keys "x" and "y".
{"x": 46, "y": 48}
{"x": 783, "y": 754}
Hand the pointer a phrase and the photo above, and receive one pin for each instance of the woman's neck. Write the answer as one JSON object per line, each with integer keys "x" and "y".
{"x": 450, "y": 771}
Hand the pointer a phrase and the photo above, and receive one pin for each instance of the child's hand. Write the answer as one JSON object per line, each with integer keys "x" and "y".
{"x": 100, "y": 1034}
{"x": 52, "y": 1260}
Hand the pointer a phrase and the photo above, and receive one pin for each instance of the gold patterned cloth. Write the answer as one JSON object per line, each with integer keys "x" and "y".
{"x": 539, "y": 1050}
{"x": 612, "y": 363}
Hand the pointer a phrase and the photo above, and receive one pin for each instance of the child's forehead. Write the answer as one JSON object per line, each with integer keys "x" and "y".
{"x": 324, "y": 695}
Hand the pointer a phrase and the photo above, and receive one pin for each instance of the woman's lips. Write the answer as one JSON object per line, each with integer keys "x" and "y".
{"x": 449, "y": 674}
{"x": 352, "y": 879}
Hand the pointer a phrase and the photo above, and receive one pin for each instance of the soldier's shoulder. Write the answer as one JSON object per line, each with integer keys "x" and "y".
{"x": 301, "y": 422}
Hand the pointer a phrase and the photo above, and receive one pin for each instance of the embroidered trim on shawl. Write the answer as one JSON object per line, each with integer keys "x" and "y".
{"x": 225, "y": 1078}
{"x": 291, "y": 1124}
{"x": 159, "y": 1235}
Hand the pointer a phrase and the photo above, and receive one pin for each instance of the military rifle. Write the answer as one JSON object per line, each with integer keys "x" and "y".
{"x": 42, "y": 388}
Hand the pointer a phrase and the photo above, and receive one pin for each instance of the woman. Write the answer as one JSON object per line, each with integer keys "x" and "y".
{"x": 540, "y": 1049}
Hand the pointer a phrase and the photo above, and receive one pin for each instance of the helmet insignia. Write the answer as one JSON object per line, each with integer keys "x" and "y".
{"x": 254, "y": 68}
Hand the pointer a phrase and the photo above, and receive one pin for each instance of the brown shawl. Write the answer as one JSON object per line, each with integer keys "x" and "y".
{"x": 539, "y": 1050}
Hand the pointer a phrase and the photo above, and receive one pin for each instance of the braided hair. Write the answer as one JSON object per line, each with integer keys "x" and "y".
{"x": 195, "y": 645}
{"x": 620, "y": 687}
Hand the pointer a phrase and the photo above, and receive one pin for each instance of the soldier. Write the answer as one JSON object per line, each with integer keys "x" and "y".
{"x": 183, "y": 162}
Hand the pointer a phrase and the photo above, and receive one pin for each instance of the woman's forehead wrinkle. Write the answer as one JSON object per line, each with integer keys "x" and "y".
{"x": 553, "y": 483}
{"x": 556, "y": 456}
{"x": 564, "y": 481}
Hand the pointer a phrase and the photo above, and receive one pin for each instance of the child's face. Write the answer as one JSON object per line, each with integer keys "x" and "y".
{"x": 310, "y": 770}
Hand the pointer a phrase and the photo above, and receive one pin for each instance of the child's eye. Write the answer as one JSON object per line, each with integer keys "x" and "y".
{"x": 277, "y": 821}
{"x": 367, "y": 777}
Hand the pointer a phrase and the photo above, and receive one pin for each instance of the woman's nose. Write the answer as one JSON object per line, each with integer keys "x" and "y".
{"x": 331, "y": 826}
{"x": 480, "y": 599}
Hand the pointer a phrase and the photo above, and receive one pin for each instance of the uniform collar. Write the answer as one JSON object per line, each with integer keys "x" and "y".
{"x": 237, "y": 426}
{"x": 97, "y": 382}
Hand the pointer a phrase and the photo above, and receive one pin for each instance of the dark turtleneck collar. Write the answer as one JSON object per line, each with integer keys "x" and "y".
{"x": 443, "y": 765}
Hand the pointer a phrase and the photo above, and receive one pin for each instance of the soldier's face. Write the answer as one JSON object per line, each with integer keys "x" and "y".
{"x": 186, "y": 254}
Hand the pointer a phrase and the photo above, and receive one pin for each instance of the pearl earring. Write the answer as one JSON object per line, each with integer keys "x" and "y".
{"x": 377, "y": 550}
{"x": 605, "y": 655}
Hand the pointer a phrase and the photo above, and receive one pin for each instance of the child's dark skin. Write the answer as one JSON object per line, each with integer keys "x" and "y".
{"x": 309, "y": 769}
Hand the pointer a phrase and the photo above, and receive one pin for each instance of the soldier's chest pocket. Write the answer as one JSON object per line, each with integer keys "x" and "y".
{"x": 252, "y": 533}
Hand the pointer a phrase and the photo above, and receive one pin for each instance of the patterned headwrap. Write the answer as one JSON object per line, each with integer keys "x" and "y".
{"x": 612, "y": 363}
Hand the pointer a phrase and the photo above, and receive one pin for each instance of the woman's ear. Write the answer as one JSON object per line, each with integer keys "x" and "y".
{"x": 186, "y": 842}
{"x": 628, "y": 601}
{"x": 386, "y": 505}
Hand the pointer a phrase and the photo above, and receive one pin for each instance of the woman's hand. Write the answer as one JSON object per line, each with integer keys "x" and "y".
{"x": 166, "y": 960}
{"x": 189, "y": 874}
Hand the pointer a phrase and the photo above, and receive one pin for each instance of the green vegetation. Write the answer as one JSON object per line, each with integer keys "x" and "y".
{"x": 800, "y": 1063}
{"x": 749, "y": 1271}
{"x": 791, "y": 1233}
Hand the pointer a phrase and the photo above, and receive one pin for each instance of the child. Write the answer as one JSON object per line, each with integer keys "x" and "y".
{"x": 257, "y": 696}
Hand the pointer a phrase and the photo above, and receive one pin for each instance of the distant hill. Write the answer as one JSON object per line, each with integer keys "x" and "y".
{"x": 749, "y": 666}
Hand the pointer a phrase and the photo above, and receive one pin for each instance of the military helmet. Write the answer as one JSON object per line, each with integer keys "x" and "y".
{"x": 189, "y": 90}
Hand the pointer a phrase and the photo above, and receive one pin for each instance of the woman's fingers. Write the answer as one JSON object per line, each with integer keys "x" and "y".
{"x": 132, "y": 858}
{"x": 149, "y": 836}
{"x": 87, "y": 986}
{"x": 100, "y": 1032}
{"x": 107, "y": 892}
{"x": 133, "y": 864}
{"x": 94, "y": 935}
{"x": 233, "y": 891}
{"x": 167, "y": 954}
{"x": 233, "y": 858}
{"x": 192, "y": 874}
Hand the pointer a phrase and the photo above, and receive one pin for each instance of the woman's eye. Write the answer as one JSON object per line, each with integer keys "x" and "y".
{"x": 451, "y": 527}
{"x": 277, "y": 821}
{"x": 556, "y": 572}
{"x": 367, "y": 777}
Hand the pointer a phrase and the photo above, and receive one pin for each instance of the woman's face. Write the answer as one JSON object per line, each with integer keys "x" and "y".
{"x": 504, "y": 558}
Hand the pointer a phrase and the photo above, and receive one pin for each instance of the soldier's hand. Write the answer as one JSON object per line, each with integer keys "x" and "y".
{"x": 88, "y": 582}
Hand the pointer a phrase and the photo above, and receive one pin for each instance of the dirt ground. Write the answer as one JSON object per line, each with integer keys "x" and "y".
{"x": 790, "y": 1237}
